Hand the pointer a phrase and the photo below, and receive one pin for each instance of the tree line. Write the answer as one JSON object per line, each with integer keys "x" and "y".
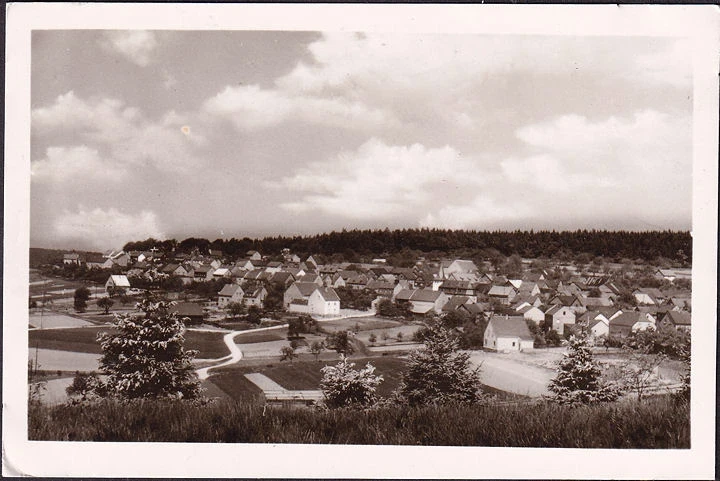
{"x": 354, "y": 244}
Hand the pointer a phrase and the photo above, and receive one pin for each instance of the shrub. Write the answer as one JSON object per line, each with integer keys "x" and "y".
{"x": 344, "y": 386}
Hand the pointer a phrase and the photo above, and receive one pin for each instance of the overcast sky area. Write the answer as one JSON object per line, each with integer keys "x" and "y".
{"x": 234, "y": 134}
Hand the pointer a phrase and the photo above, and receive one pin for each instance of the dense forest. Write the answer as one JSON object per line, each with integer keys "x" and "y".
{"x": 353, "y": 244}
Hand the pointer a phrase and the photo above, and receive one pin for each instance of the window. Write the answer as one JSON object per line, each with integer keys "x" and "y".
{"x": 513, "y": 345}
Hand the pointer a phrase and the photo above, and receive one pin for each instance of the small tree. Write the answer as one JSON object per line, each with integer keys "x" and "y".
{"x": 640, "y": 371}
{"x": 84, "y": 386}
{"x": 316, "y": 348}
{"x": 399, "y": 337}
{"x": 578, "y": 380}
{"x": 146, "y": 358}
{"x": 253, "y": 315}
{"x": 344, "y": 386}
{"x": 287, "y": 353}
{"x": 105, "y": 303}
{"x": 340, "y": 342}
{"x": 372, "y": 338}
{"x": 82, "y": 294}
{"x": 235, "y": 309}
{"x": 439, "y": 373}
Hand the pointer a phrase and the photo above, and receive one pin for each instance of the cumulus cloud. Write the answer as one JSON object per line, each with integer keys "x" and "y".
{"x": 121, "y": 132}
{"x": 74, "y": 164}
{"x": 138, "y": 46}
{"x": 251, "y": 107}
{"x": 105, "y": 228}
{"x": 379, "y": 181}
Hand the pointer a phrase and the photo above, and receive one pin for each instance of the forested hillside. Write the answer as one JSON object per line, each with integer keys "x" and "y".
{"x": 649, "y": 245}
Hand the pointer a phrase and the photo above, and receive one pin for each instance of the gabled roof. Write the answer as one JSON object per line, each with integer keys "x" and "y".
{"x": 120, "y": 281}
{"x": 503, "y": 291}
{"x": 328, "y": 293}
{"x": 679, "y": 318}
{"x": 71, "y": 257}
{"x": 170, "y": 268}
{"x": 455, "y": 302}
{"x": 425, "y": 295}
{"x": 511, "y": 326}
{"x": 305, "y": 288}
{"x": 404, "y": 295}
{"x": 229, "y": 290}
{"x": 628, "y": 319}
{"x": 256, "y": 293}
{"x": 375, "y": 285}
{"x": 274, "y": 264}
{"x": 282, "y": 277}
{"x": 452, "y": 284}
{"x": 222, "y": 271}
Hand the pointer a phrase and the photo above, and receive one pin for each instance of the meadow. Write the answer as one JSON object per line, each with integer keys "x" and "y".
{"x": 84, "y": 339}
{"x": 657, "y": 423}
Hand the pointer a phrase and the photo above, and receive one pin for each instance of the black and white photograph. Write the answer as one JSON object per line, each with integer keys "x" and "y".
{"x": 247, "y": 236}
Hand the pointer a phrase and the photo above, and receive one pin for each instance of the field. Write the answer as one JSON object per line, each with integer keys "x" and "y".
{"x": 83, "y": 340}
{"x": 657, "y": 423}
{"x": 304, "y": 375}
{"x": 358, "y": 324}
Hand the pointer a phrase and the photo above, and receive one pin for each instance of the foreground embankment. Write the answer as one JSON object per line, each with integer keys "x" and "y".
{"x": 654, "y": 423}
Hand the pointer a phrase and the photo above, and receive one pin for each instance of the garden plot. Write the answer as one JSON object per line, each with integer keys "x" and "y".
{"x": 54, "y": 320}
{"x": 358, "y": 324}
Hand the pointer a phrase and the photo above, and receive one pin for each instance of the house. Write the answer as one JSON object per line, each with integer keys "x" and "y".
{"x": 679, "y": 320}
{"x": 629, "y": 322}
{"x": 282, "y": 278}
{"x": 215, "y": 253}
{"x": 455, "y": 302}
{"x": 557, "y": 317}
{"x": 382, "y": 288}
{"x": 202, "y": 273}
{"x": 665, "y": 274}
{"x": 298, "y": 290}
{"x": 322, "y": 301}
{"x": 574, "y": 302}
{"x": 532, "y": 313}
{"x": 189, "y": 312}
{"x": 253, "y": 255}
{"x": 273, "y": 267}
{"x": 230, "y": 293}
{"x": 502, "y": 294}
{"x": 457, "y": 288}
{"x": 311, "y": 260}
{"x": 255, "y": 297}
{"x": 648, "y": 296}
{"x": 314, "y": 278}
{"x": 116, "y": 282}
{"x": 221, "y": 272}
{"x": 596, "y": 323}
{"x": 508, "y": 333}
{"x": 175, "y": 270}
{"x": 245, "y": 264}
{"x": 458, "y": 266}
{"x": 425, "y": 300}
{"x": 358, "y": 281}
{"x": 71, "y": 259}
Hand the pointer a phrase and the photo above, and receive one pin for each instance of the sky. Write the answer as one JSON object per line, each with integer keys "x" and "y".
{"x": 219, "y": 134}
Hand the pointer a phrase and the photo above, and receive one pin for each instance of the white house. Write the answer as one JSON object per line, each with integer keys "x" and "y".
{"x": 322, "y": 301}
{"x": 532, "y": 313}
{"x": 117, "y": 282}
{"x": 504, "y": 333}
{"x": 230, "y": 293}
{"x": 255, "y": 297}
{"x": 558, "y": 316}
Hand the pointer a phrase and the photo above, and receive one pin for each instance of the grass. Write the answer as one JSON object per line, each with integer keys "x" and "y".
{"x": 657, "y": 423}
{"x": 362, "y": 323}
{"x": 84, "y": 339}
{"x": 262, "y": 336}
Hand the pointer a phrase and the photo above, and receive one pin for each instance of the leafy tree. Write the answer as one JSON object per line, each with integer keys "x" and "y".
{"x": 316, "y": 348}
{"x": 84, "y": 386}
{"x": 453, "y": 319}
{"x": 344, "y": 386}
{"x": 146, "y": 358}
{"x": 552, "y": 338}
{"x": 372, "y": 338}
{"x": 578, "y": 379}
{"x": 82, "y": 294}
{"x": 235, "y": 309}
{"x": 105, "y": 303}
{"x": 254, "y": 315}
{"x": 439, "y": 373}
{"x": 340, "y": 342}
{"x": 399, "y": 337}
{"x": 287, "y": 353}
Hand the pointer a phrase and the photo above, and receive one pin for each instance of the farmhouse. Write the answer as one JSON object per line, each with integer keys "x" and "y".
{"x": 116, "y": 282}
{"x": 255, "y": 297}
{"x": 230, "y": 293}
{"x": 502, "y": 294}
{"x": 322, "y": 301}
{"x": 71, "y": 259}
{"x": 504, "y": 333}
{"x": 557, "y": 317}
{"x": 629, "y": 322}
{"x": 679, "y": 320}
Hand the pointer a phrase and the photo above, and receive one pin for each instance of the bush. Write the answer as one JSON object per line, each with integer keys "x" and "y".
{"x": 344, "y": 386}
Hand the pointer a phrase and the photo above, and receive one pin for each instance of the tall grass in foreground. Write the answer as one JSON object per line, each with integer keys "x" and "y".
{"x": 656, "y": 423}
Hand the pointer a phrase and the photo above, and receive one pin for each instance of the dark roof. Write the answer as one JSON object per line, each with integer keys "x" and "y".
{"x": 404, "y": 295}
{"x": 679, "y": 318}
{"x": 511, "y": 326}
{"x": 306, "y": 288}
{"x": 328, "y": 293}
{"x": 189, "y": 309}
{"x": 281, "y": 277}
{"x": 228, "y": 290}
{"x": 627, "y": 319}
{"x": 373, "y": 285}
{"x": 425, "y": 295}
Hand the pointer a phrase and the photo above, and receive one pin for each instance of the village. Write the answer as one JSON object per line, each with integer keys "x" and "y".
{"x": 514, "y": 318}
